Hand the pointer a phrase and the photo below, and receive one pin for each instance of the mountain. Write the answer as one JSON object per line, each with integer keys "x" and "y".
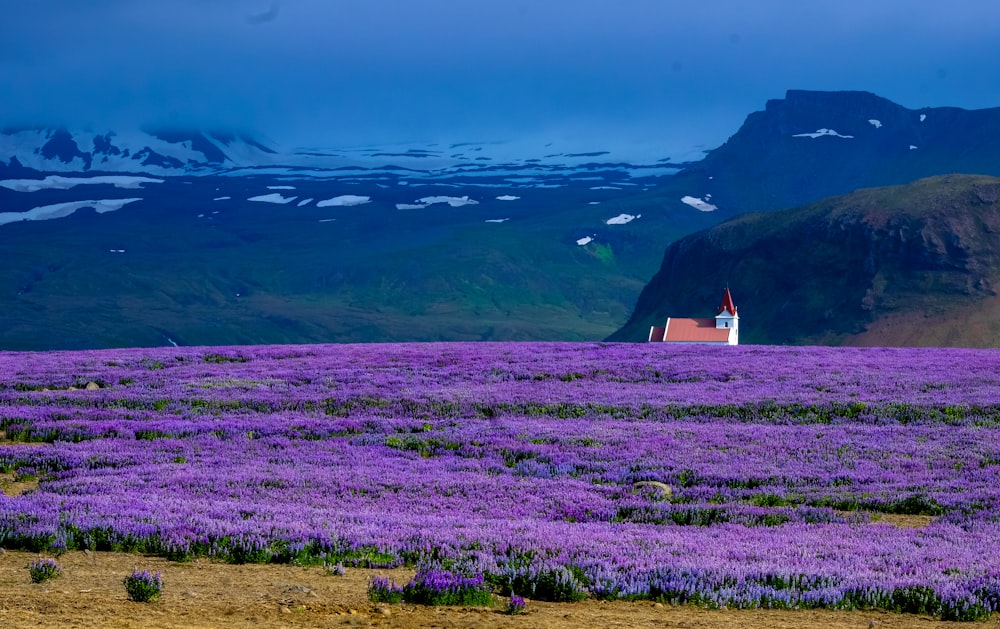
{"x": 154, "y": 151}
{"x": 917, "y": 264}
{"x": 186, "y": 152}
{"x": 812, "y": 145}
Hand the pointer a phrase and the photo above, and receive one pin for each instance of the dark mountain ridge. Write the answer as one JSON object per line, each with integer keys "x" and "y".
{"x": 861, "y": 141}
{"x": 921, "y": 259}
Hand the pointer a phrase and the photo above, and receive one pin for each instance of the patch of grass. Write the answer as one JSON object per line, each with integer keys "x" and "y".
{"x": 222, "y": 358}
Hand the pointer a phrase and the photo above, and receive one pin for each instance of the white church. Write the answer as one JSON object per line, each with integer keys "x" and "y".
{"x": 723, "y": 329}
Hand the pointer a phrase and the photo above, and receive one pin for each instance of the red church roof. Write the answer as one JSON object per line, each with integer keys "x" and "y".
{"x": 700, "y": 330}
{"x": 695, "y": 331}
{"x": 727, "y": 303}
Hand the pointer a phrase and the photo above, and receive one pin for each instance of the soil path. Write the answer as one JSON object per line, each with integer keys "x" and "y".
{"x": 204, "y": 594}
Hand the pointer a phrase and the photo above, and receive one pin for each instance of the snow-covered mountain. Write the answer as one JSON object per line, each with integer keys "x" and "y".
{"x": 152, "y": 151}
{"x": 159, "y": 152}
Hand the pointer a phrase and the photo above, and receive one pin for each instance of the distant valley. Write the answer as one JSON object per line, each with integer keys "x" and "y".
{"x": 369, "y": 244}
{"x": 181, "y": 237}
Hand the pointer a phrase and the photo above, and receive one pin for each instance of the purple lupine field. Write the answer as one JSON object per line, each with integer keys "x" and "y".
{"x": 738, "y": 476}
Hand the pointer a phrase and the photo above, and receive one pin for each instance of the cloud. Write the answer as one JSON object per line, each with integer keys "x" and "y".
{"x": 342, "y": 72}
{"x": 263, "y": 17}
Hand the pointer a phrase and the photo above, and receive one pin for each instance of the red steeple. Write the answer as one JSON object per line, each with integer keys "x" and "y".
{"x": 727, "y": 304}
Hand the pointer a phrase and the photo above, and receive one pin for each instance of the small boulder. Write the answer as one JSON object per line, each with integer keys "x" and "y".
{"x": 303, "y": 589}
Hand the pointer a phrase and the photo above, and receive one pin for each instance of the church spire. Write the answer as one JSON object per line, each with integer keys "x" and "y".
{"x": 727, "y": 304}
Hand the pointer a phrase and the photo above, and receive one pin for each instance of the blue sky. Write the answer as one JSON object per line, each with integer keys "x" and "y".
{"x": 347, "y": 72}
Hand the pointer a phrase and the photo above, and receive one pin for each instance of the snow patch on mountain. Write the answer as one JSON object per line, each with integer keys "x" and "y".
{"x": 344, "y": 200}
{"x": 425, "y": 201}
{"x": 702, "y": 205}
{"x": 820, "y": 133}
{"x": 274, "y": 197}
{"x": 622, "y": 219}
{"x": 57, "y": 182}
{"x": 62, "y": 210}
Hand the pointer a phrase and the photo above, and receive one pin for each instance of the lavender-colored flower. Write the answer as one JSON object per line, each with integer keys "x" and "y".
{"x": 44, "y": 569}
{"x": 529, "y": 465}
{"x": 516, "y": 605}
{"x": 384, "y": 590}
{"x": 436, "y": 585}
{"x": 143, "y": 586}
{"x": 334, "y": 569}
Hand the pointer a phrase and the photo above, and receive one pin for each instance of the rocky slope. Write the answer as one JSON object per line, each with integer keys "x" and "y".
{"x": 906, "y": 265}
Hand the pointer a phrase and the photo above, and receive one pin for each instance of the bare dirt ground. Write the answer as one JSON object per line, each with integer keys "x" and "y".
{"x": 13, "y": 487}
{"x": 202, "y": 594}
